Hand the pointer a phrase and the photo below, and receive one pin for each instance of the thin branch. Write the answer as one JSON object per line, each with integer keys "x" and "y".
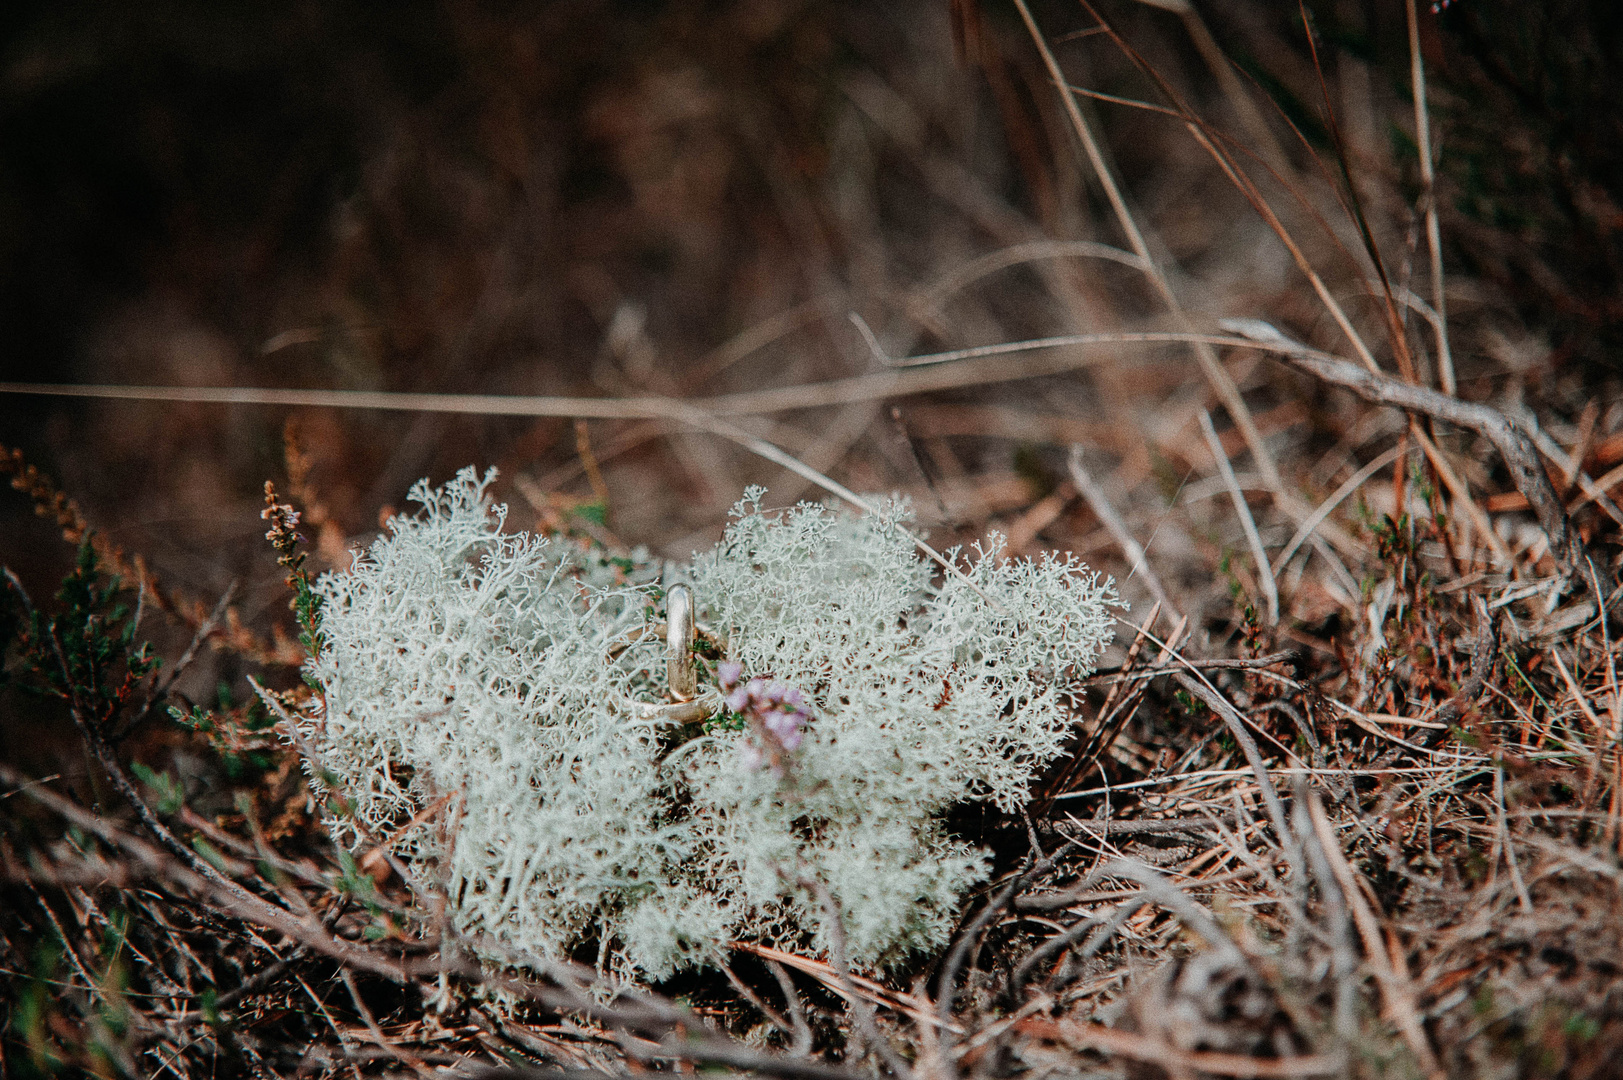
{"x": 110, "y": 764}
{"x": 1516, "y": 879}
{"x": 859, "y": 1007}
{"x": 1175, "y": 1062}
{"x": 797, "y": 1011}
{"x": 946, "y": 982}
{"x": 1507, "y": 436}
{"x": 1201, "y": 688}
{"x": 775, "y": 1018}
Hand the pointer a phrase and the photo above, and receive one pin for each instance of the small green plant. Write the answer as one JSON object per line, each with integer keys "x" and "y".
{"x": 86, "y": 654}
{"x": 863, "y": 699}
{"x": 171, "y": 795}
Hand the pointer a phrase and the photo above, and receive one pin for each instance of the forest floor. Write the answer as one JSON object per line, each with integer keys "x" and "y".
{"x": 1335, "y": 398}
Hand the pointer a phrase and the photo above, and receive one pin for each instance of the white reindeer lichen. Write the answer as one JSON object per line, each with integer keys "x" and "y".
{"x": 515, "y": 674}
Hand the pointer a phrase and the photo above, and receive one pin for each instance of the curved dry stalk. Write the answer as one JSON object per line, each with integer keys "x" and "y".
{"x": 1219, "y": 704}
{"x": 930, "y": 297}
{"x": 1513, "y": 443}
{"x": 1216, "y": 374}
{"x": 1102, "y": 509}
{"x": 859, "y": 1007}
{"x": 1340, "y": 495}
{"x": 1174, "y": 1062}
{"x": 1397, "y": 987}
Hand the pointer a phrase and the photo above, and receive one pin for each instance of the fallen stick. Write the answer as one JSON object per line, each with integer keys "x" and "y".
{"x": 1514, "y": 444}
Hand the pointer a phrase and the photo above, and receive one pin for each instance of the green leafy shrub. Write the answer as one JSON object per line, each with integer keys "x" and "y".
{"x": 524, "y": 676}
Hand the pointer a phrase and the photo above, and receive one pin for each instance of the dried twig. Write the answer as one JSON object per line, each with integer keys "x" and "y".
{"x": 1201, "y": 688}
{"x": 1184, "y": 1062}
{"x": 859, "y": 1008}
{"x": 1513, "y": 444}
{"x": 946, "y": 980}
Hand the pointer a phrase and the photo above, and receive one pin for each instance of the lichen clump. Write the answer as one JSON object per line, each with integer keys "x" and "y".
{"x": 512, "y": 673}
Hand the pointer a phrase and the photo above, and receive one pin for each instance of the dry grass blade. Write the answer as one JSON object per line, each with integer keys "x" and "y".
{"x": 1210, "y": 141}
{"x": 1099, "y": 502}
{"x": 931, "y": 298}
{"x": 1222, "y": 383}
{"x": 1402, "y": 1007}
{"x": 1265, "y": 570}
{"x": 1336, "y": 498}
{"x": 1428, "y": 181}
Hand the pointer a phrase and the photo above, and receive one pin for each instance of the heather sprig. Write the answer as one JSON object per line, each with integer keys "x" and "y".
{"x": 285, "y": 537}
{"x": 88, "y": 653}
{"x": 775, "y": 713}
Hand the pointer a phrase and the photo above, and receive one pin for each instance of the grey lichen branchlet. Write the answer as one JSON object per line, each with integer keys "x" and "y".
{"x": 457, "y": 658}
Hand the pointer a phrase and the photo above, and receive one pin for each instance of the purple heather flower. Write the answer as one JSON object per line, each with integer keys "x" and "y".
{"x": 776, "y": 713}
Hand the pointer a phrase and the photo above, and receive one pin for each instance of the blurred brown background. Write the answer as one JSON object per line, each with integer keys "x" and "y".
{"x": 689, "y": 198}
